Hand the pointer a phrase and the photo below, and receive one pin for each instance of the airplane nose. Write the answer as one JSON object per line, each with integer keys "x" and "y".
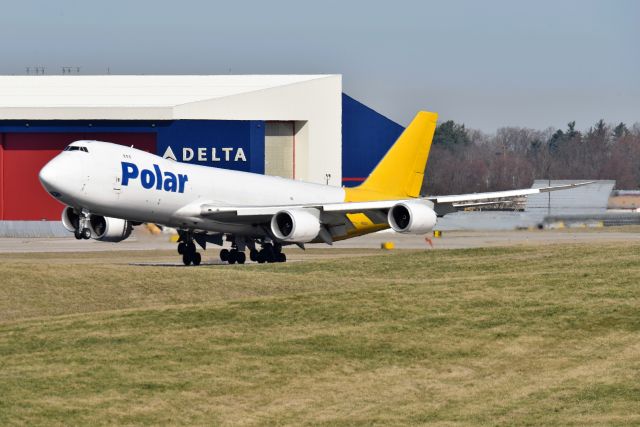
{"x": 50, "y": 176}
{"x": 46, "y": 174}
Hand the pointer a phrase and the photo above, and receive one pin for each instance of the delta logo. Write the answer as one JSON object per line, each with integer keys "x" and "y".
{"x": 208, "y": 154}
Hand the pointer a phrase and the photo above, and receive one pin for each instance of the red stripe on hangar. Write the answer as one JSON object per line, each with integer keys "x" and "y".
{"x": 22, "y": 155}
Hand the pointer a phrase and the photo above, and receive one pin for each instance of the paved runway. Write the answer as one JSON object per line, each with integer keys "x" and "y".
{"x": 450, "y": 240}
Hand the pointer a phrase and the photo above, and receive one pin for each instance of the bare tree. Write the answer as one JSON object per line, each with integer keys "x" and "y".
{"x": 464, "y": 160}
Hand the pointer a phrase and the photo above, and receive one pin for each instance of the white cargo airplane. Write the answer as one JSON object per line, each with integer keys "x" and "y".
{"x": 109, "y": 188}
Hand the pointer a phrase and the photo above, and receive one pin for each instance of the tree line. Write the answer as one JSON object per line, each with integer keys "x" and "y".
{"x": 465, "y": 160}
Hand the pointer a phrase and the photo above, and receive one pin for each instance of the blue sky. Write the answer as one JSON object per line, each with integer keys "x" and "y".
{"x": 485, "y": 63}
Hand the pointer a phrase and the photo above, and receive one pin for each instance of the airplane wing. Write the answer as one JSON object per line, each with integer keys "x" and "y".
{"x": 452, "y": 203}
{"x": 337, "y": 219}
{"x": 334, "y": 217}
{"x": 378, "y": 209}
{"x": 328, "y": 211}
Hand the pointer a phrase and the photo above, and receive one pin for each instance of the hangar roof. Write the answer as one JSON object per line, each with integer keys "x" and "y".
{"x": 113, "y": 91}
{"x": 315, "y": 101}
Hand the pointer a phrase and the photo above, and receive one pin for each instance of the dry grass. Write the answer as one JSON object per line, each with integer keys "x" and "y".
{"x": 527, "y": 335}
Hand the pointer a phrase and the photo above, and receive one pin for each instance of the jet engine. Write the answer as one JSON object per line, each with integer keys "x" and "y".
{"x": 412, "y": 217}
{"x": 109, "y": 229}
{"x": 102, "y": 228}
{"x": 295, "y": 225}
{"x": 70, "y": 219}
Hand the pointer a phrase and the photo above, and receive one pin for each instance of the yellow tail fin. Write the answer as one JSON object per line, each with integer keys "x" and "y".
{"x": 401, "y": 171}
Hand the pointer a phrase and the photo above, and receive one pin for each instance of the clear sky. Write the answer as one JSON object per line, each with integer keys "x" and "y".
{"x": 484, "y": 63}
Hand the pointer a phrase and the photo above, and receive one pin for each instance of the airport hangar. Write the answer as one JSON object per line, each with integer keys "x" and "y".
{"x": 296, "y": 126}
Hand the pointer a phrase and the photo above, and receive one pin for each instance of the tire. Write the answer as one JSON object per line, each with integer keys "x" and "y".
{"x": 86, "y": 233}
{"x": 77, "y": 234}
{"x": 181, "y": 248}
{"x": 241, "y": 258}
{"x": 197, "y": 258}
{"x": 253, "y": 255}
{"x": 191, "y": 247}
{"x": 261, "y": 258}
{"x": 186, "y": 258}
{"x": 281, "y": 257}
{"x": 224, "y": 255}
{"x": 232, "y": 257}
{"x": 269, "y": 255}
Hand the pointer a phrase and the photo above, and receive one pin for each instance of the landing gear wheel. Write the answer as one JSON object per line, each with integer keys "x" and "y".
{"x": 77, "y": 234}
{"x": 269, "y": 255}
{"x": 253, "y": 255}
{"x": 241, "y": 258}
{"x": 86, "y": 233}
{"x": 186, "y": 258}
{"x": 224, "y": 255}
{"x": 281, "y": 257}
{"x": 232, "y": 258}
{"x": 197, "y": 258}
{"x": 190, "y": 248}
{"x": 187, "y": 248}
{"x": 261, "y": 258}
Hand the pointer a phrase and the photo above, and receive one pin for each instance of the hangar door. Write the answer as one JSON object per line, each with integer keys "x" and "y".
{"x": 280, "y": 149}
{"x": 22, "y": 155}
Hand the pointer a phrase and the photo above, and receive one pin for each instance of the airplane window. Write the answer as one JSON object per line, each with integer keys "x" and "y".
{"x": 75, "y": 148}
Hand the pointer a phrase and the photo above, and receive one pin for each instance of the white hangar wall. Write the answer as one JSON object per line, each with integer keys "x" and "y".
{"x": 316, "y": 107}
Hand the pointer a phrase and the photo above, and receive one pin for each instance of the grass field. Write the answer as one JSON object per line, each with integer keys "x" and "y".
{"x": 522, "y": 335}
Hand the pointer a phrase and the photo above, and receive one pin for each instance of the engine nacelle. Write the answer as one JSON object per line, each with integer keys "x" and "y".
{"x": 109, "y": 229}
{"x": 70, "y": 219}
{"x": 412, "y": 217}
{"x": 295, "y": 225}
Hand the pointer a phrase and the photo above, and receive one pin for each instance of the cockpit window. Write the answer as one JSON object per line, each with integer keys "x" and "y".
{"x": 75, "y": 148}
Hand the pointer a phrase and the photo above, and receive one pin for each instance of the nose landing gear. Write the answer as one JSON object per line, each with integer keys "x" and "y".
{"x": 85, "y": 233}
{"x": 82, "y": 230}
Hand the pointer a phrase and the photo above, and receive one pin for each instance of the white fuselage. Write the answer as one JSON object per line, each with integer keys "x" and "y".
{"x": 123, "y": 182}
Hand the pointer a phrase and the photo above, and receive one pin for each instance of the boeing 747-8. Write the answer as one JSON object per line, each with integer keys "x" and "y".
{"x": 109, "y": 188}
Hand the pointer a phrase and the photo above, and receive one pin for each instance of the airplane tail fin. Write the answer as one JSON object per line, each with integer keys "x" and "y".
{"x": 401, "y": 171}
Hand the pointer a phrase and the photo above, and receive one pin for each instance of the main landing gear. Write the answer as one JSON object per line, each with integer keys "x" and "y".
{"x": 232, "y": 256}
{"x": 188, "y": 251}
{"x": 270, "y": 252}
